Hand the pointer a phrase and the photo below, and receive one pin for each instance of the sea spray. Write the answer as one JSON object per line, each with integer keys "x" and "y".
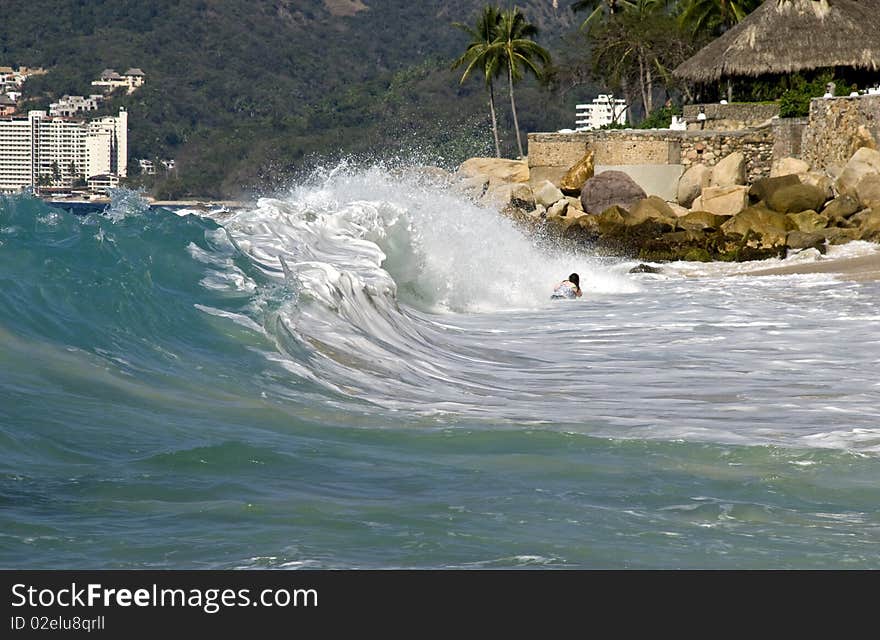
{"x": 442, "y": 251}
{"x": 367, "y": 252}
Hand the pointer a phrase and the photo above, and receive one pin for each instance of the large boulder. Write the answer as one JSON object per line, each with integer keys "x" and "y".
{"x": 809, "y": 221}
{"x": 610, "y": 188}
{"x": 836, "y": 235}
{"x": 473, "y": 187}
{"x": 661, "y": 206}
{"x": 503, "y": 196}
{"x": 692, "y": 182}
{"x": 702, "y": 221}
{"x": 556, "y": 210}
{"x": 788, "y": 166}
{"x": 574, "y": 216}
{"x": 841, "y": 208}
{"x": 763, "y": 187}
{"x": 864, "y": 162}
{"x": 868, "y": 222}
{"x": 863, "y": 138}
{"x": 730, "y": 171}
{"x": 546, "y": 193}
{"x": 572, "y": 213}
{"x": 868, "y": 191}
{"x": 796, "y": 197}
{"x": 582, "y": 229}
{"x": 677, "y": 209}
{"x": 574, "y": 203}
{"x": 689, "y": 245}
{"x": 804, "y": 240}
{"x": 496, "y": 170}
{"x": 612, "y": 216}
{"x": 772, "y": 227}
{"x": 651, "y": 208}
{"x": 724, "y": 201}
{"x": 819, "y": 180}
{"x": 573, "y": 181}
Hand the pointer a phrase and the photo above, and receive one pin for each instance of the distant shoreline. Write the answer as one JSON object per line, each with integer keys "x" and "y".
{"x": 195, "y": 203}
{"x": 198, "y": 203}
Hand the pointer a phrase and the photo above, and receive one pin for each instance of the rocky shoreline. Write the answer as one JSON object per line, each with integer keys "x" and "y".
{"x": 717, "y": 214}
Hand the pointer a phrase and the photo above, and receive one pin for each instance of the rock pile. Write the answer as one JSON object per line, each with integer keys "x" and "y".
{"x": 717, "y": 216}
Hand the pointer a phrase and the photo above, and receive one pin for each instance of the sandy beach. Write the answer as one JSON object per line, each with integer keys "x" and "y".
{"x": 861, "y": 268}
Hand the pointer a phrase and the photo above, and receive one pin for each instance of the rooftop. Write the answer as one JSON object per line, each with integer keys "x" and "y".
{"x": 785, "y": 37}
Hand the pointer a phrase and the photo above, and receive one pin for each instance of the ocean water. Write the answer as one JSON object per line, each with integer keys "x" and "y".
{"x": 367, "y": 372}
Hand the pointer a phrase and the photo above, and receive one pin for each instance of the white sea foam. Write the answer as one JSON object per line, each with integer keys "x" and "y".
{"x": 431, "y": 248}
{"x": 835, "y": 253}
{"x": 410, "y": 298}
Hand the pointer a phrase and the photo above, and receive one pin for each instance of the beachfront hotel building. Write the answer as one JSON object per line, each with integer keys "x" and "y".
{"x": 42, "y": 150}
{"x": 604, "y": 110}
{"x": 103, "y": 183}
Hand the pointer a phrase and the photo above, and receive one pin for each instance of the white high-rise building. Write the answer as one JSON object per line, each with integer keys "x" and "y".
{"x": 16, "y": 154}
{"x": 117, "y": 128}
{"x": 40, "y": 150}
{"x": 604, "y": 110}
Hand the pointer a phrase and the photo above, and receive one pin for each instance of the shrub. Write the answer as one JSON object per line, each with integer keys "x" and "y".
{"x": 659, "y": 118}
{"x": 795, "y": 102}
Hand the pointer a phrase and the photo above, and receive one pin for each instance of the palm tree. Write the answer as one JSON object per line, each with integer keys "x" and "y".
{"x": 609, "y": 7}
{"x": 481, "y": 55}
{"x": 518, "y": 52}
{"x": 636, "y": 47}
{"x": 715, "y": 16}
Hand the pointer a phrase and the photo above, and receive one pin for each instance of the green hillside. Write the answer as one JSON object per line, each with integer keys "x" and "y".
{"x": 246, "y": 93}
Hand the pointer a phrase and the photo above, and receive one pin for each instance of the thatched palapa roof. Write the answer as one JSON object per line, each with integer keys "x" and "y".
{"x": 785, "y": 36}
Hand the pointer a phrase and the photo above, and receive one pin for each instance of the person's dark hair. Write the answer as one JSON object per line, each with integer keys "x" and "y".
{"x": 575, "y": 280}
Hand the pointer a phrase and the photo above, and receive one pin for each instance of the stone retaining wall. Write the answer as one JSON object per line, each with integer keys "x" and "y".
{"x": 730, "y": 117}
{"x": 558, "y": 149}
{"x": 788, "y": 134}
{"x": 826, "y": 140}
{"x": 551, "y": 154}
{"x": 838, "y": 127}
{"x": 709, "y": 147}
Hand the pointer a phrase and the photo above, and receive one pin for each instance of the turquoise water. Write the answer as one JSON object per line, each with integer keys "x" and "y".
{"x": 351, "y": 376}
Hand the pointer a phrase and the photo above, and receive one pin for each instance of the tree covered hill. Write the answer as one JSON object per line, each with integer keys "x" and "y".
{"x": 245, "y": 93}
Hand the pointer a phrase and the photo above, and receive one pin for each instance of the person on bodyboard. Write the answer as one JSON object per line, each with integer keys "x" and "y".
{"x": 568, "y": 289}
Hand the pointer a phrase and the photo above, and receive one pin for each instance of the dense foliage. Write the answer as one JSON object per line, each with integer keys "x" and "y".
{"x": 800, "y": 88}
{"x": 636, "y": 47}
{"x": 243, "y": 94}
